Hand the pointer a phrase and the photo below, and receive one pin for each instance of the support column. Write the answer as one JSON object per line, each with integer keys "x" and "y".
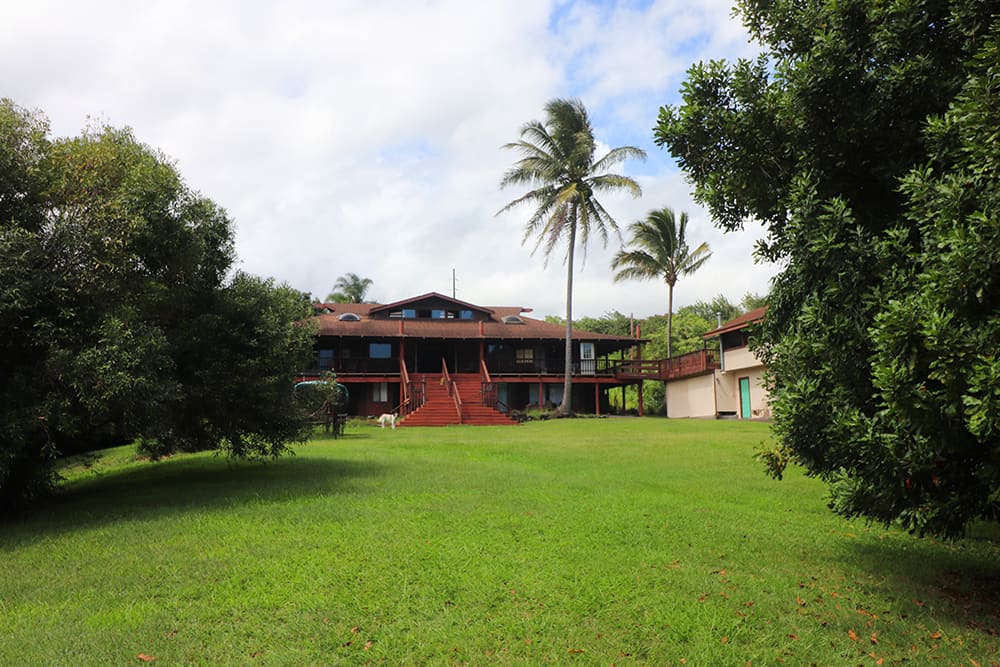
{"x": 640, "y": 398}
{"x": 597, "y": 398}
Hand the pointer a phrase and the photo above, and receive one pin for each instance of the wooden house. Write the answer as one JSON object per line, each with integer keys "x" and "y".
{"x": 438, "y": 360}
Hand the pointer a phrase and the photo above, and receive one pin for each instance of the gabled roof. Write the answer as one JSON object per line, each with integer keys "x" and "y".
{"x": 741, "y": 322}
{"x": 430, "y": 297}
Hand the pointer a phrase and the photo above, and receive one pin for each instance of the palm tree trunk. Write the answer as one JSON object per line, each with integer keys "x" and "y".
{"x": 670, "y": 334}
{"x": 670, "y": 318}
{"x": 566, "y": 407}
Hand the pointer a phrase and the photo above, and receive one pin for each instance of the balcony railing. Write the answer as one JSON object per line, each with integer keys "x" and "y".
{"x": 691, "y": 364}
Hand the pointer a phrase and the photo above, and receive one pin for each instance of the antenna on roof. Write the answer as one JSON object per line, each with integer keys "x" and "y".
{"x": 453, "y": 289}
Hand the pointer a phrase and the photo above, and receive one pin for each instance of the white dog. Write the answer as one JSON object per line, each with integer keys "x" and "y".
{"x": 387, "y": 418}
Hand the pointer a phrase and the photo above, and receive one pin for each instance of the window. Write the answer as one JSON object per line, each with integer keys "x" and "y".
{"x": 349, "y": 317}
{"x": 380, "y": 350}
{"x": 409, "y": 313}
{"x": 380, "y": 392}
{"x": 465, "y": 314}
{"x": 437, "y": 314}
{"x": 325, "y": 359}
{"x": 524, "y": 355}
{"x": 512, "y": 319}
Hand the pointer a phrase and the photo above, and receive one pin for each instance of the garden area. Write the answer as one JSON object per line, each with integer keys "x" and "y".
{"x": 621, "y": 541}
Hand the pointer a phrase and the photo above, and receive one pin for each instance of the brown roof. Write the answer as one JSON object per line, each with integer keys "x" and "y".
{"x": 741, "y": 322}
{"x": 491, "y": 327}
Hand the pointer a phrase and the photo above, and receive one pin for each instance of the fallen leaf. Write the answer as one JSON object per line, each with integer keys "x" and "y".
{"x": 725, "y": 640}
{"x": 355, "y": 630}
{"x": 918, "y": 603}
{"x": 368, "y": 644}
{"x": 852, "y": 635}
{"x": 974, "y": 663}
{"x": 793, "y": 636}
{"x": 935, "y": 635}
{"x": 802, "y": 603}
{"x": 145, "y": 658}
{"x": 874, "y": 639}
{"x": 576, "y": 650}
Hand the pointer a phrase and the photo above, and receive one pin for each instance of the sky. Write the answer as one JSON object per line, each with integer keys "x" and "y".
{"x": 366, "y": 137}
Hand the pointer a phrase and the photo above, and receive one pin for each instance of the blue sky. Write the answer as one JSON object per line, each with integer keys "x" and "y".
{"x": 364, "y": 136}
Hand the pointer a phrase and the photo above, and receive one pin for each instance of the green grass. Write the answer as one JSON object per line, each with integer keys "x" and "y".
{"x": 587, "y": 542}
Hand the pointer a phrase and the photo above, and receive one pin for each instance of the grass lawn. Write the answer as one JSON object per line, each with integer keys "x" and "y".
{"x": 578, "y": 542}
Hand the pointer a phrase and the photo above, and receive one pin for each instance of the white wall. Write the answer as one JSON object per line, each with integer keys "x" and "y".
{"x": 691, "y": 397}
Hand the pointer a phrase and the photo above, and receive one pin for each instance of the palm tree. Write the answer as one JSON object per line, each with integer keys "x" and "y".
{"x": 349, "y": 288}
{"x": 660, "y": 251}
{"x": 558, "y": 164}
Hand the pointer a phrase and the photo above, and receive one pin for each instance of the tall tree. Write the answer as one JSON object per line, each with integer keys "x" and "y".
{"x": 864, "y": 139}
{"x": 118, "y": 318}
{"x": 660, "y": 252}
{"x": 350, "y": 288}
{"x": 559, "y": 165}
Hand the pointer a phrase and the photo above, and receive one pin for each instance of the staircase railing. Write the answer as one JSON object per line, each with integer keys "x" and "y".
{"x": 452, "y": 388}
{"x": 488, "y": 390}
{"x": 414, "y": 392}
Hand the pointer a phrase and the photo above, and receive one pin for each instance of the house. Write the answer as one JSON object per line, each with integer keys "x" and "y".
{"x": 731, "y": 384}
{"x": 438, "y": 360}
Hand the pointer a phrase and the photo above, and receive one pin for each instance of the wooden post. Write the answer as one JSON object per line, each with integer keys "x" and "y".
{"x": 597, "y": 398}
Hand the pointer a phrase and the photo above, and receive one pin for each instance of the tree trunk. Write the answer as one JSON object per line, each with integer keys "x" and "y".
{"x": 670, "y": 334}
{"x": 566, "y": 407}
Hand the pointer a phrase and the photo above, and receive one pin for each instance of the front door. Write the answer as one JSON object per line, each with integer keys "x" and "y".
{"x": 745, "y": 398}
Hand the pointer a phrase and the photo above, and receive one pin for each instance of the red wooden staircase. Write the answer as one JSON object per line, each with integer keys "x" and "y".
{"x": 439, "y": 406}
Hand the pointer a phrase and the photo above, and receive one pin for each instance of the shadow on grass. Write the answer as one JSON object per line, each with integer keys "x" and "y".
{"x": 182, "y": 485}
{"x": 958, "y": 581}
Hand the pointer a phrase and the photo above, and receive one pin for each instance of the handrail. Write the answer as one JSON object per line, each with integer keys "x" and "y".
{"x": 487, "y": 390}
{"x": 452, "y": 389}
{"x": 404, "y": 404}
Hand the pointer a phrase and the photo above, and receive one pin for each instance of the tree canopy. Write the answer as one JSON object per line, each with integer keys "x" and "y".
{"x": 350, "y": 288}
{"x": 120, "y": 315}
{"x": 864, "y": 138}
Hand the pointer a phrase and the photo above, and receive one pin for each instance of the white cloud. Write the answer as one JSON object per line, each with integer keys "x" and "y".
{"x": 365, "y": 136}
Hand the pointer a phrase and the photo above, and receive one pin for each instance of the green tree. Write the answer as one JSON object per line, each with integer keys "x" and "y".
{"x": 834, "y": 139}
{"x": 718, "y": 308}
{"x": 119, "y": 320}
{"x": 752, "y": 301}
{"x": 349, "y": 288}
{"x": 660, "y": 252}
{"x": 559, "y": 166}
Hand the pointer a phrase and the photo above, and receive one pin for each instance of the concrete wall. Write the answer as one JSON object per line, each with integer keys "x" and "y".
{"x": 728, "y": 392}
{"x": 739, "y": 357}
{"x": 691, "y": 397}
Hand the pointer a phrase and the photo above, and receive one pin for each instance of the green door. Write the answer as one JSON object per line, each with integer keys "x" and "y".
{"x": 745, "y": 398}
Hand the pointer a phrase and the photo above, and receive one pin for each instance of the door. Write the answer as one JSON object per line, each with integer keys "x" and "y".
{"x": 745, "y": 398}
{"x": 587, "y": 364}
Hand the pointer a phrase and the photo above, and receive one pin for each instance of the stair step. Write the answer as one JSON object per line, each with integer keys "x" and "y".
{"x": 439, "y": 407}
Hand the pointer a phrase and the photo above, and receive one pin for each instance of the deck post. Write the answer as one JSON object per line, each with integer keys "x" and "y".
{"x": 597, "y": 398}
{"x": 640, "y": 398}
